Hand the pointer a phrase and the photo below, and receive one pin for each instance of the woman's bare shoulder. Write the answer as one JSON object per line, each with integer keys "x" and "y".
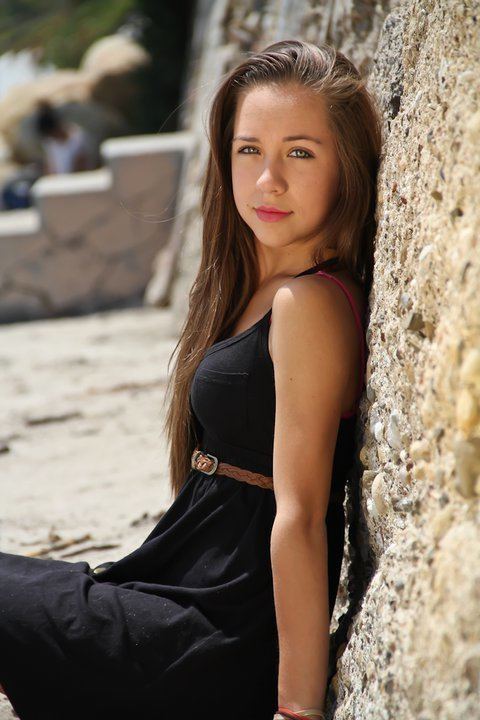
{"x": 302, "y": 306}
{"x": 314, "y": 304}
{"x": 306, "y": 289}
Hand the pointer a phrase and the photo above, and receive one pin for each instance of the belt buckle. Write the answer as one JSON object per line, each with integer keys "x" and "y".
{"x": 195, "y": 456}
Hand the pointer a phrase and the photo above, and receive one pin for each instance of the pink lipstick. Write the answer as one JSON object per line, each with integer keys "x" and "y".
{"x": 269, "y": 213}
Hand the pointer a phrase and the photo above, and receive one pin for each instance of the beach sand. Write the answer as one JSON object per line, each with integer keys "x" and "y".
{"x": 83, "y": 465}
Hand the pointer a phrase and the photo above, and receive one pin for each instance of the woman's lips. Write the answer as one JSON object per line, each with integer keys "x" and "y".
{"x": 270, "y": 216}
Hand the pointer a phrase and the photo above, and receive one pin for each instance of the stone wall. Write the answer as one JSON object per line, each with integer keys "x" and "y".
{"x": 414, "y": 647}
{"x": 414, "y": 651}
{"x": 90, "y": 240}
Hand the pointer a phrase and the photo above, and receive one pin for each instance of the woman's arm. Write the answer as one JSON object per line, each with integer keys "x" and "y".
{"x": 312, "y": 340}
{"x": 299, "y": 562}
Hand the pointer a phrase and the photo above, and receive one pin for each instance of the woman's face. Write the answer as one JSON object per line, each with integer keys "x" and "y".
{"x": 270, "y": 168}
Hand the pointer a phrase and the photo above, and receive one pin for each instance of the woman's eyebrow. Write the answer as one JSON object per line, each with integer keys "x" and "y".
{"x": 289, "y": 138}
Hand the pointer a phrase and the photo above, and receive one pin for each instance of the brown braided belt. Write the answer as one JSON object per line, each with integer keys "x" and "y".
{"x": 209, "y": 464}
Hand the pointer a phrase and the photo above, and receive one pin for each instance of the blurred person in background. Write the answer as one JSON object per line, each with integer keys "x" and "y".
{"x": 65, "y": 147}
{"x": 65, "y": 144}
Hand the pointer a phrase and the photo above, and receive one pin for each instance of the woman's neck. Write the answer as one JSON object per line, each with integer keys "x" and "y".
{"x": 269, "y": 276}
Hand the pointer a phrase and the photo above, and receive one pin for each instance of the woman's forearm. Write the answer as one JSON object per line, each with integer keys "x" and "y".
{"x": 300, "y": 578}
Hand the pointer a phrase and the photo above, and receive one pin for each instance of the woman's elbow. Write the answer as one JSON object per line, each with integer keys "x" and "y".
{"x": 301, "y": 521}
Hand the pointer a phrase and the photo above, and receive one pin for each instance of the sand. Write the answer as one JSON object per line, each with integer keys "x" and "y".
{"x": 83, "y": 465}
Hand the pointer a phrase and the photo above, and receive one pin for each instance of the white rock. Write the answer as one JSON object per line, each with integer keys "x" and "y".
{"x": 394, "y": 437}
{"x": 379, "y": 492}
{"x": 378, "y": 431}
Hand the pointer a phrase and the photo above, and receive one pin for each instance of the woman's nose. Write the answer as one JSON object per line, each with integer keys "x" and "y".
{"x": 270, "y": 180}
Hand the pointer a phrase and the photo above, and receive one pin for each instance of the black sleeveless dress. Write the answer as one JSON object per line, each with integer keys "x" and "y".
{"x": 184, "y": 626}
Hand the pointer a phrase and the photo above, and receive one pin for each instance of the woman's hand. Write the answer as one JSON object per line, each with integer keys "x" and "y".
{"x": 2, "y": 691}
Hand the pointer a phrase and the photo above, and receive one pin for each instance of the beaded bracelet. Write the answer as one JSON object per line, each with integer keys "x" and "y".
{"x": 287, "y": 714}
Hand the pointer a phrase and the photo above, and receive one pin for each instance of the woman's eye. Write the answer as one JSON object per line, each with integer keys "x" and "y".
{"x": 305, "y": 156}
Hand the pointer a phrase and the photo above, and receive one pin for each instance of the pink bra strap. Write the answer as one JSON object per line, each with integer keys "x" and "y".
{"x": 359, "y": 326}
{"x": 360, "y": 330}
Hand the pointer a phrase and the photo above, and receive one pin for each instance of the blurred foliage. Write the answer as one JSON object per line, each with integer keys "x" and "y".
{"x": 65, "y": 29}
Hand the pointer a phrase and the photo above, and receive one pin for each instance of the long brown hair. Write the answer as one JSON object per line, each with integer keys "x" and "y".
{"x": 228, "y": 273}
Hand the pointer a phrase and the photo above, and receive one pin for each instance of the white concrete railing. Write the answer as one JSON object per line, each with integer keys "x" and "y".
{"x": 90, "y": 240}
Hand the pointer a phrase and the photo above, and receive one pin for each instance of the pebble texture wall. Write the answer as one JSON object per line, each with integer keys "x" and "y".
{"x": 414, "y": 647}
{"x": 414, "y": 651}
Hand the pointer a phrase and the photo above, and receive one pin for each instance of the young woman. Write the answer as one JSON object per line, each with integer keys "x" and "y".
{"x": 223, "y": 612}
